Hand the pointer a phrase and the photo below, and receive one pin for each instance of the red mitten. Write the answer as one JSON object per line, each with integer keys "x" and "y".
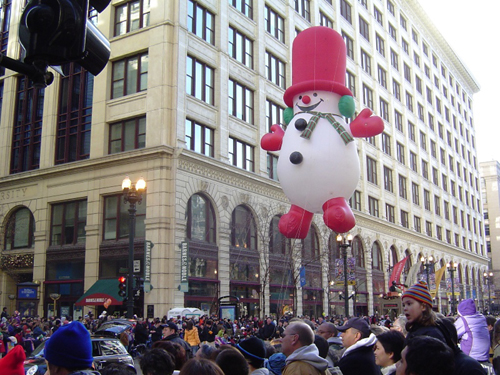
{"x": 272, "y": 141}
{"x": 365, "y": 126}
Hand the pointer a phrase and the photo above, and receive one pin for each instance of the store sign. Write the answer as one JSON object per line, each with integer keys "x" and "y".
{"x": 184, "y": 287}
{"x": 148, "y": 245}
{"x": 27, "y": 293}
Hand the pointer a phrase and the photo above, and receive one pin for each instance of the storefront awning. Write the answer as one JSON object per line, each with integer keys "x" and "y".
{"x": 100, "y": 292}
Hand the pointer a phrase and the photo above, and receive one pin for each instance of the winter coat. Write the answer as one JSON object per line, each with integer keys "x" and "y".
{"x": 175, "y": 338}
{"x": 419, "y": 330}
{"x": 306, "y": 361}
{"x": 472, "y": 331}
{"x": 191, "y": 336}
{"x": 359, "y": 358}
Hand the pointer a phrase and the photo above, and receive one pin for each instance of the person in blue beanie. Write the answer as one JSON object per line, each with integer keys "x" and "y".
{"x": 69, "y": 351}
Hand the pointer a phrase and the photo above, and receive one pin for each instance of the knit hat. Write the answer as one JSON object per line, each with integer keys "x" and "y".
{"x": 252, "y": 348}
{"x": 276, "y": 363}
{"x": 419, "y": 292}
{"x": 70, "y": 347}
{"x": 13, "y": 362}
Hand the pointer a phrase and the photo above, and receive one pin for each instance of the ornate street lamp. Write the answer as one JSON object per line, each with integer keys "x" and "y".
{"x": 452, "y": 267}
{"x": 428, "y": 264}
{"x": 344, "y": 243}
{"x": 132, "y": 194}
{"x": 487, "y": 278}
{"x": 55, "y": 297}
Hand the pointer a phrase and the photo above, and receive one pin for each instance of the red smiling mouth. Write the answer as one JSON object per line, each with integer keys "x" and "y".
{"x": 309, "y": 107}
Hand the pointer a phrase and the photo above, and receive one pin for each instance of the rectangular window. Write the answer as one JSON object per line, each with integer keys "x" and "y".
{"x": 400, "y": 151}
{"x": 388, "y": 182}
{"x": 406, "y": 47}
{"x": 367, "y": 96}
{"x": 380, "y": 44}
{"x": 371, "y": 170}
{"x": 411, "y": 131}
{"x": 74, "y": 114}
{"x": 446, "y": 210}
{"x": 116, "y": 218}
{"x": 373, "y": 206}
{"x": 420, "y": 111}
{"x": 407, "y": 72}
{"x": 350, "y": 80}
{"x": 274, "y": 114}
{"x": 199, "y": 138}
{"x": 67, "y": 224}
{"x": 275, "y": 69}
{"x": 27, "y": 132}
{"x": 396, "y": 90}
{"x": 402, "y": 21}
{"x": 127, "y": 135}
{"x": 398, "y": 121}
{"x": 409, "y": 101}
{"x": 390, "y": 213}
{"x": 405, "y": 222}
{"x": 325, "y": 21}
{"x": 390, "y": 7}
{"x": 413, "y": 162}
{"x": 416, "y": 59}
{"x": 425, "y": 169}
{"x": 428, "y": 228}
{"x": 435, "y": 176}
{"x": 272, "y": 166}
{"x": 240, "y": 47}
{"x": 241, "y": 101}
{"x": 427, "y": 200}
{"x": 384, "y": 110}
{"x": 414, "y": 35}
{"x": 275, "y": 24}
{"x": 134, "y": 15}
{"x": 425, "y": 49}
{"x": 437, "y": 205}
{"x": 244, "y": 6}
{"x": 415, "y": 193}
{"x": 382, "y": 77}
{"x": 355, "y": 200}
{"x": 392, "y": 31}
{"x": 378, "y": 15}
{"x": 201, "y": 22}
{"x": 349, "y": 43}
{"x": 366, "y": 62}
{"x": 346, "y": 11}
{"x": 130, "y": 75}
{"x": 386, "y": 144}
{"x": 394, "y": 60}
{"x": 430, "y": 119}
{"x": 403, "y": 193}
{"x": 364, "y": 29}
{"x": 417, "y": 223}
{"x": 241, "y": 154}
{"x": 423, "y": 141}
{"x": 302, "y": 7}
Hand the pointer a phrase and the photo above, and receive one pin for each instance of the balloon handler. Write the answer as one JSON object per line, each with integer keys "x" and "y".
{"x": 318, "y": 165}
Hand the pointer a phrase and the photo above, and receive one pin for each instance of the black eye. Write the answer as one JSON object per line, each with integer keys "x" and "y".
{"x": 315, "y": 95}
{"x": 300, "y": 97}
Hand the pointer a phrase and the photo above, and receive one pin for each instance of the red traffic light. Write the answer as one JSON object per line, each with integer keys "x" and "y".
{"x": 122, "y": 279}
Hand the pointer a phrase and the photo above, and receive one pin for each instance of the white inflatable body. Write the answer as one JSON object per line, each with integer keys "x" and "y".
{"x": 329, "y": 168}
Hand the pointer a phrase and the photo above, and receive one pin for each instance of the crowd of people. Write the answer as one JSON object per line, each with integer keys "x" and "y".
{"x": 418, "y": 342}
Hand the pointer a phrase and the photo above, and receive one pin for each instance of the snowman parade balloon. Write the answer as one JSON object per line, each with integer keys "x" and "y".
{"x": 318, "y": 165}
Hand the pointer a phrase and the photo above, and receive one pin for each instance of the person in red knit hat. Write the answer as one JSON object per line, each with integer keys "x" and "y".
{"x": 13, "y": 362}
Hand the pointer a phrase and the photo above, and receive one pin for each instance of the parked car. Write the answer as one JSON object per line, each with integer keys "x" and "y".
{"x": 105, "y": 350}
{"x": 115, "y": 327}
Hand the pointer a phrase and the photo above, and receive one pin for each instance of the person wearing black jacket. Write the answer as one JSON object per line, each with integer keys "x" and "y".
{"x": 268, "y": 329}
{"x": 141, "y": 333}
{"x": 156, "y": 331}
{"x": 170, "y": 334}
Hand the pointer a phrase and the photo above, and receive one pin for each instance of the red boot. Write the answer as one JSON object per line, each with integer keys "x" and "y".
{"x": 338, "y": 215}
{"x": 295, "y": 223}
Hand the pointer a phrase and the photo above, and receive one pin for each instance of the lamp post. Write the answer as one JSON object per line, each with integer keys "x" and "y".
{"x": 487, "y": 277}
{"x": 132, "y": 194}
{"x": 428, "y": 264}
{"x": 344, "y": 243}
{"x": 452, "y": 267}
{"x": 55, "y": 297}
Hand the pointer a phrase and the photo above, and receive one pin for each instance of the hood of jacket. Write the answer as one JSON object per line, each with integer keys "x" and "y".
{"x": 308, "y": 354}
{"x": 260, "y": 371}
{"x": 467, "y": 307}
{"x": 368, "y": 341}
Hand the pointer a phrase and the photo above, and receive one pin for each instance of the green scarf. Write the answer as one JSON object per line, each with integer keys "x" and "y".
{"x": 306, "y": 133}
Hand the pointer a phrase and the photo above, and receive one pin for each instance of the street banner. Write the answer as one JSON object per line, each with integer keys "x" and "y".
{"x": 302, "y": 276}
{"x": 439, "y": 275}
{"x": 396, "y": 271}
{"x": 184, "y": 287}
{"x": 148, "y": 245}
{"x": 411, "y": 279}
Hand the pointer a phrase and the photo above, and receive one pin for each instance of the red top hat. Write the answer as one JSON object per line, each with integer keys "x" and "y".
{"x": 318, "y": 63}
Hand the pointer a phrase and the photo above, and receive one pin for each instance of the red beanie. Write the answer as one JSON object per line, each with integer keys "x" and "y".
{"x": 13, "y": 362}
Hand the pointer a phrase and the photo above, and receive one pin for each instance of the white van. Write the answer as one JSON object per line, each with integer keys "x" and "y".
{"x": 185, "y": 312}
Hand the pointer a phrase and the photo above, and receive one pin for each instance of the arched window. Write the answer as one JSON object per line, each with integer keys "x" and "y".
{"x": 200, "y": 219}
{"x": 408, "y": 263}
{"x": 310, "y": 244}
{"x": 393, "y": 257}
{"x": 333, "y": 247}
{"x": 20, "y": 230}
{"x": 376, "y": 257}
{"x": 243, "y": 229}
{"x": 357, "y": 252}
{"x": 278, "y": 243}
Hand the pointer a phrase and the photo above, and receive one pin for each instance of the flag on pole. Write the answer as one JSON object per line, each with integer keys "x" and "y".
{"x": 396, "y": 271}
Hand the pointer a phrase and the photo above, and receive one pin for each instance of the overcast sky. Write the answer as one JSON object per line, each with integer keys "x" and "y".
{"x": 471, "y": 29}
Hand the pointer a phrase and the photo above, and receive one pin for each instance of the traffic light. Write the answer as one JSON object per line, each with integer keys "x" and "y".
{"x": 122, "y": 286}
{"x": 55, "y": 32}
{"x": 138, "y": 282}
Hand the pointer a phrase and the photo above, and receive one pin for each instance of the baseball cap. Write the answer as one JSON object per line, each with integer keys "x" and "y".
{"x": 357, "y": 323}
{"x": 171, "y": 325}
